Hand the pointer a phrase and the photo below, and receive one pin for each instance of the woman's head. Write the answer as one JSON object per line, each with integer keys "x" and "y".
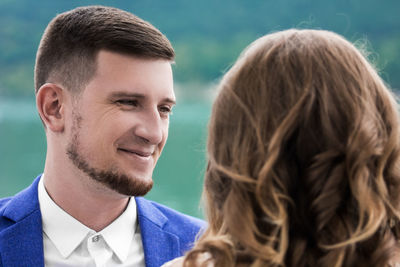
{"x": 303, "y": 156}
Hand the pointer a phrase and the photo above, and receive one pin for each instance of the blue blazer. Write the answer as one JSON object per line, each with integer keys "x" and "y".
{"x": 166, "y": 234}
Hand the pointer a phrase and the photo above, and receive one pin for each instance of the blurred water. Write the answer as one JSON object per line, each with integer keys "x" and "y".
{"x": 20, "y": 109}
{"x": 178, "y": 176}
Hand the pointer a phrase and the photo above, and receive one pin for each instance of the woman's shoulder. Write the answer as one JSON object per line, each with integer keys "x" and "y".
{"x": 178, "y": 262}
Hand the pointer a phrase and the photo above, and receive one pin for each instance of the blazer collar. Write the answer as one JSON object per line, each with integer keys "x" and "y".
{"x": 24, "y": 203}
{"x": 22, "y": 242}
{"x": 159, "y": 245}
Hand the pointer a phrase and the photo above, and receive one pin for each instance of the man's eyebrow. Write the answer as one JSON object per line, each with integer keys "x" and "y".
{"x": 137, "y": 95}
{"x": 126, "y": 94}
{"x": 169, "y": 101}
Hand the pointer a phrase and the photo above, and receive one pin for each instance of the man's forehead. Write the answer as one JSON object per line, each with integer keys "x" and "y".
{"x": 128, "y": 76}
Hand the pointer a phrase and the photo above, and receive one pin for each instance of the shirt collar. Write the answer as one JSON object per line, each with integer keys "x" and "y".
{"x": 118, "y": 235}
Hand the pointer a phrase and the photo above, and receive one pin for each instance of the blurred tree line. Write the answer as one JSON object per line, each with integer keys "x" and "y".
{"x": 208, "y": 35}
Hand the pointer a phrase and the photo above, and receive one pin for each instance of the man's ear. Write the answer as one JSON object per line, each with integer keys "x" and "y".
{"x": 50, "y": 102}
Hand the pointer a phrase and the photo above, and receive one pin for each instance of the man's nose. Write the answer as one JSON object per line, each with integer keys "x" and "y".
{"x": 150, "y": 127}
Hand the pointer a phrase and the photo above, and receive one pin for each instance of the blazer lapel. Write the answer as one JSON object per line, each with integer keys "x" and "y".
{"x": 21, "y": 244}
{"x": 159, "y": 246}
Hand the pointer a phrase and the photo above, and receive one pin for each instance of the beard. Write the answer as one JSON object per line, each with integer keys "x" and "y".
{"x": 111, "y": 178}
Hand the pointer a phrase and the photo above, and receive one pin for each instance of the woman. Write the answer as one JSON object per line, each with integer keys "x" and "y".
{"x": 303, "y": 159}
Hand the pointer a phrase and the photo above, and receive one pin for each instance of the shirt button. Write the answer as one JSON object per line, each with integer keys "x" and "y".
{"x": 95, "y": 238}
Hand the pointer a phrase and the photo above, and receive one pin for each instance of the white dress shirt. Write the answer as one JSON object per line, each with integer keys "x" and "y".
{"x": 67, "y": 242}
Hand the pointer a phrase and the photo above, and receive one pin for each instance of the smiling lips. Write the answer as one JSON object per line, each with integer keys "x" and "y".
{"x": 140, "y": 153}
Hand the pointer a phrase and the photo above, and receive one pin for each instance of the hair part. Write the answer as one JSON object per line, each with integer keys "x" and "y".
{"x": 70, "y": 44}
{"x": 303, "y": 158}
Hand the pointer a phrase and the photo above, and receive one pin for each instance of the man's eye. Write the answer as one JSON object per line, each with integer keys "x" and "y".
{"x": 165, "y": 110}
{"x": 127, "y": 102}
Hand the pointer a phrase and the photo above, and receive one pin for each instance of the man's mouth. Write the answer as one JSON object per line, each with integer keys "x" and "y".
{"x": 140, "y": 153}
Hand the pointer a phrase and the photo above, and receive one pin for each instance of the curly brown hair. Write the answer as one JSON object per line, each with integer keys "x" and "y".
{"x": 303, "y": 158}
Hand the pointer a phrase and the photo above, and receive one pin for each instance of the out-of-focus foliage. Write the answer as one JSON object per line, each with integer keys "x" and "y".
{"x": 208, "y": 35}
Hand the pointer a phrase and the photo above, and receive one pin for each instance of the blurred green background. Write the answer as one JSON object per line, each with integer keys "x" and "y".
{"x": 208, "y": 36}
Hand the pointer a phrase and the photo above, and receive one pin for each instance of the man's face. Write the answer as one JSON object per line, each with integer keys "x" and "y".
{"x": 120, "y": 122}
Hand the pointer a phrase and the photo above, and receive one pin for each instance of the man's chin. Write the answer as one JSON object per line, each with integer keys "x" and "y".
{"x": 125, "y": 185}
{"x": 137, "y": 190}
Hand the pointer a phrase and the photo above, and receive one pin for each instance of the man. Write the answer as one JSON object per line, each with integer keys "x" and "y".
{"x": 104, "y": 92}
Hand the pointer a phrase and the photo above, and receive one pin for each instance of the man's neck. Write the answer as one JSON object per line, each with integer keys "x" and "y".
{"x": 87, "y": 201}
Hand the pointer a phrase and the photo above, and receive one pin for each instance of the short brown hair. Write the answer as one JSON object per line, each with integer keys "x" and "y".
{"x": 69, "y": 46}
